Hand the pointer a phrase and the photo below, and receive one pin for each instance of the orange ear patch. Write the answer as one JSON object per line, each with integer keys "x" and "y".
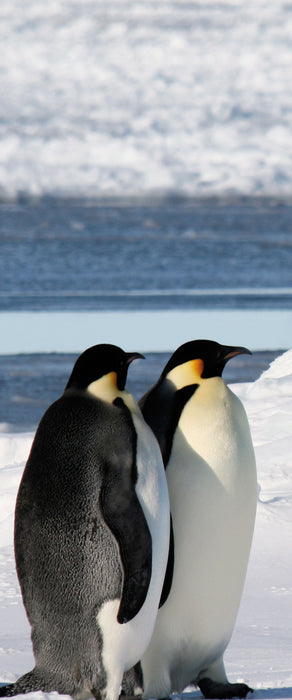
{"x": 188, "y": 373}
{"x": 198, "y": 366}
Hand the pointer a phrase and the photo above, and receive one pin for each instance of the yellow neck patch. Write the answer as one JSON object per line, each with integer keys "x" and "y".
{"x": 106, "y": 389}
{"x": 188, "y": 373}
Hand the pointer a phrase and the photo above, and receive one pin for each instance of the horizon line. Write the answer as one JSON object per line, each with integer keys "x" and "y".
{"x": 217, "y": 291}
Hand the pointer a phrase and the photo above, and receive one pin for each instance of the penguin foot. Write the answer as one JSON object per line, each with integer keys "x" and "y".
{"x": 132, "y": 685}
{"x": 211, "y": 689}
{"x": 4, "y": 689}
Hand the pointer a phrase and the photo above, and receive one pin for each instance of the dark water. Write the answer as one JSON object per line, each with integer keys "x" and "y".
{"x": 139, "y": 254}
{"x": 30, "y": 383}
{"x": 82, "y": 255}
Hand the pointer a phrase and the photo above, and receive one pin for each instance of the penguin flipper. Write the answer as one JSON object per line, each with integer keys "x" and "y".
{"x": 169, "y": 569}
{"x": 124, "y": 516}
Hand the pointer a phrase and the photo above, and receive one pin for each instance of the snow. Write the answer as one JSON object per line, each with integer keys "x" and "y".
{"x": 134, "y": 96}
{"x": 260, "y": 651}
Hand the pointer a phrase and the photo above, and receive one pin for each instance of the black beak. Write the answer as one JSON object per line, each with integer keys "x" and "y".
{"x": 133, "y": 356}
{"x": 229, "y": 351}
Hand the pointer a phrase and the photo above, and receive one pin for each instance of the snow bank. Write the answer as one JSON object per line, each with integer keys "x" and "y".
{"x": 14, "y": 450}
{"x": 262, "y": 642}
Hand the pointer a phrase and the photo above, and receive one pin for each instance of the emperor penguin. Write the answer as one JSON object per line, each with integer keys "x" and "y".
{"x": 91, "y": 533}
{"x": 205, "y": 440}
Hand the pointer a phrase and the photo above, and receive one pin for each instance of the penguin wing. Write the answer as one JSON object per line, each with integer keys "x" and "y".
{"x": 161, "y": 408}
{"x": 169, "y": 569}
{"x": 157, "y": 407}
{"x": 124, "y": 516}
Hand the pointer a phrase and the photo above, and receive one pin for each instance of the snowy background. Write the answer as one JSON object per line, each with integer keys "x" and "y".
{"x": 260, "y": 651}
{"x": 135, "y": 96}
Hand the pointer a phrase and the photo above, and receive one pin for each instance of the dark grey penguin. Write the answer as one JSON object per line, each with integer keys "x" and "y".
{"x": 91, "y": 533}
{"x": 205, "y": 440}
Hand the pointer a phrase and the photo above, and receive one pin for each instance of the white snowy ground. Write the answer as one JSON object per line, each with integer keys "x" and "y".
{"x": 134, "y": 96}
{"x": 260, "y": 651}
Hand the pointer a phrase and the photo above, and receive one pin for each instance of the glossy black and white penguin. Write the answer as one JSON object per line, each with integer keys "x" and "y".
{"x": 91, "y": 533}
{"x": 206, "y": 444}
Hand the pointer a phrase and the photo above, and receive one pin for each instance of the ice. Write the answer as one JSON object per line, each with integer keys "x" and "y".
{"x": 134, "y": 96}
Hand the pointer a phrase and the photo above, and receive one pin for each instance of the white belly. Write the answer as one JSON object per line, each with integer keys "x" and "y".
{"x": 212, "y": 488}
{"x": 123, "y": 645}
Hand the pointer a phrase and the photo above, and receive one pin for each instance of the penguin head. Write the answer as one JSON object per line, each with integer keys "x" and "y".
{"x": 101, "y": 361}
{"x": 199, "y": 359}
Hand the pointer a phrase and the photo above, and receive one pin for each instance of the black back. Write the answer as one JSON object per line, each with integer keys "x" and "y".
{"x": 76, "y": 501}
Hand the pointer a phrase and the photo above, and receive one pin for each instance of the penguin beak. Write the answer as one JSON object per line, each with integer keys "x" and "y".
{"x": 133, "y": 356}
{"x": 229, "y": 351}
